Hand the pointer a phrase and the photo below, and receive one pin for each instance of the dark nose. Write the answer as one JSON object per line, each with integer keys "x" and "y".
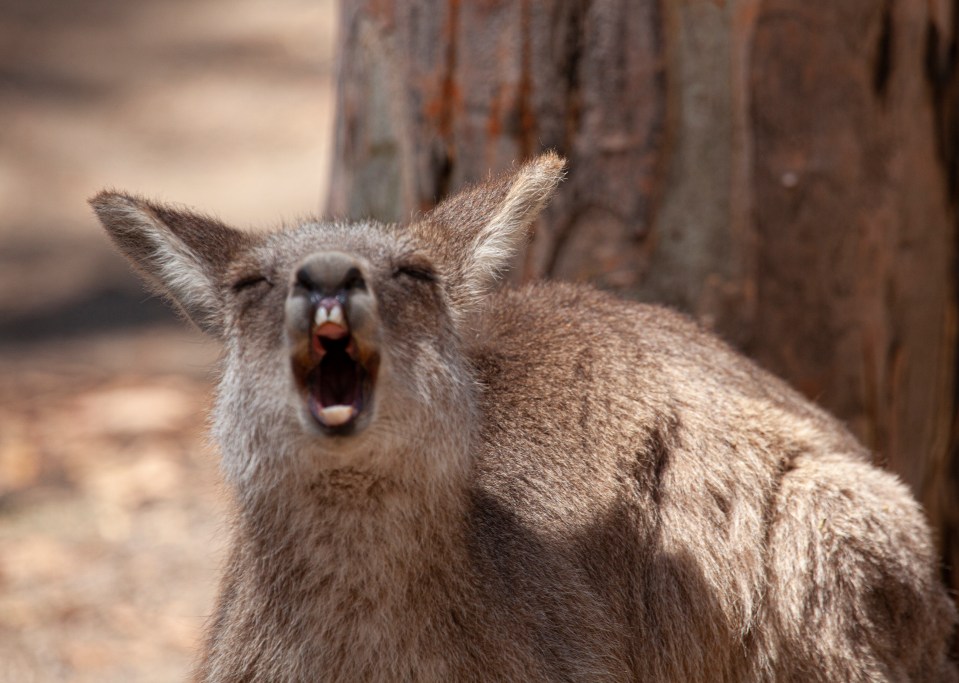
{"x": 330, "y": 273}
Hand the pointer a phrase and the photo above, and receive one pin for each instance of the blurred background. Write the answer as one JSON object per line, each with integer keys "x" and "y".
{"x": 785, "y": 171}
{"x": 111, "y": 520}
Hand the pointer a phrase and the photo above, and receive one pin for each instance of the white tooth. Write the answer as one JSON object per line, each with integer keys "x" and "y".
{"x": 333, "y": 416}
{"x": 336, "y": 315}
{"x": 320, "y": 316}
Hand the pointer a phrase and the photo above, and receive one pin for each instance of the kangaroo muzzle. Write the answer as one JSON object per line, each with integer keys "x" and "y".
{"x": 333, "y": 332}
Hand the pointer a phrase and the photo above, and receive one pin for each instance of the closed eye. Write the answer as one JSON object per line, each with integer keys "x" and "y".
{"x": 417, "y": 272}
{"x": 249, "y": 282}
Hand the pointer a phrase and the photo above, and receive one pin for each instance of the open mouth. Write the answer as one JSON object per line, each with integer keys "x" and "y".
{"x": 339, "y": 374}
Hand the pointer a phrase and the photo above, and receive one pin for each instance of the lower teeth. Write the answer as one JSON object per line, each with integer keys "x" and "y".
{"x": 333, "y": 416}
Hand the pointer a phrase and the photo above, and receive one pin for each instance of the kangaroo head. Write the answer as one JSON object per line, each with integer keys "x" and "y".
{"x": 341, "y": 339}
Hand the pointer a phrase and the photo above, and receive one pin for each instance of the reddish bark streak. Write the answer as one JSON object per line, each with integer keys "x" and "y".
{"x": 527, "y": 119}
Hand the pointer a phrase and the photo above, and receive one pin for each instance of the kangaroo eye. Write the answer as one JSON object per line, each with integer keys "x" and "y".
{"x": 417, "y": 272}
{"x": 249, "y": 282}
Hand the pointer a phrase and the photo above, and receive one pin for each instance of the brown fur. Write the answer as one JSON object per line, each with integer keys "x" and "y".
{"x": 553, "y": 484}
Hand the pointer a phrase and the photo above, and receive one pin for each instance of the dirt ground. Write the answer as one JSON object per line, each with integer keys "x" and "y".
{"x": 112, "y": 517}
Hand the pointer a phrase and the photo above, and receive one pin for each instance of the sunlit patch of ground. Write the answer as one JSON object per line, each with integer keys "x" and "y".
{"x": 111, "y": 515}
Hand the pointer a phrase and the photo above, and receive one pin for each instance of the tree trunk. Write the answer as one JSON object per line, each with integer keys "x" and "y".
{"x": 784, "y": 170}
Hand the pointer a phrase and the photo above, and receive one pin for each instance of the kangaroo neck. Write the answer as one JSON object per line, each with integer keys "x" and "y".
{"x": 379, "y": 563}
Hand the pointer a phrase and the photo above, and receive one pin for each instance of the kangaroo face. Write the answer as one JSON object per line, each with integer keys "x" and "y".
{"x": 340, "y": 344}
{"x": 358, "y": 328}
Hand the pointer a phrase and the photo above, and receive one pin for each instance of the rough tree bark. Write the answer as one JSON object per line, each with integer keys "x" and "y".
{"x": 785, "y": 170}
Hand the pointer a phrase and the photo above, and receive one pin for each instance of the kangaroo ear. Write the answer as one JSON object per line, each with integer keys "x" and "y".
{"x": 475, "y": 233}
{"x": 180, "y": 254}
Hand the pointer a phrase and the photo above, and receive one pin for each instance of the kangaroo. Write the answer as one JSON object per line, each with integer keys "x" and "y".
{"x": 440, "y": 480}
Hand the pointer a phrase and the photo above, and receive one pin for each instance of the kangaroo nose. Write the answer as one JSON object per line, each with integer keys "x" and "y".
{"x": 330, "y": 273}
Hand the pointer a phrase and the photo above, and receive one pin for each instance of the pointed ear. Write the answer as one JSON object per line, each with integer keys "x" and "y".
{"x": 181, "y": 255}
{"x": 474, "y": 234}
